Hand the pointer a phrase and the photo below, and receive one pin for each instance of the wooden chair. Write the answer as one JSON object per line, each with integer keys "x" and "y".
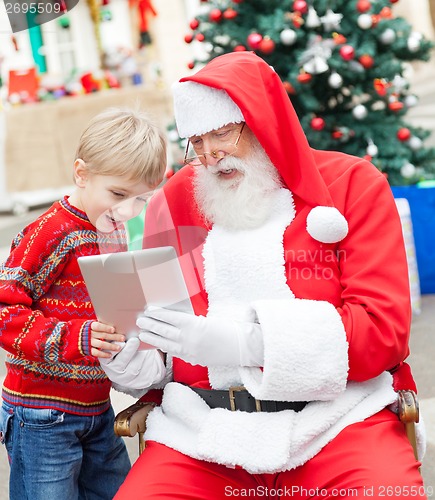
{"x": 132, "y": 420}
{"x": 409, "y": 414}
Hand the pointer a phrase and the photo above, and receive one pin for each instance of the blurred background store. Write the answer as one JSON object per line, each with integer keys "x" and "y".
{"x": 57, "y": 75}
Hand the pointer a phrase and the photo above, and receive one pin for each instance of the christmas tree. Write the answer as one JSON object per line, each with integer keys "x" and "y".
{"x": 343, "y": 64}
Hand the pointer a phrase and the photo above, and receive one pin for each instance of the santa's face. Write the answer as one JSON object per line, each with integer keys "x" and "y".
{"x": 236, "y": 191}
{"x": 211, "y": 148}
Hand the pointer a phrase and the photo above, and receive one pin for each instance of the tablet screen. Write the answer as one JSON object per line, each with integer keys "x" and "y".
{"x": 121, "y": 285}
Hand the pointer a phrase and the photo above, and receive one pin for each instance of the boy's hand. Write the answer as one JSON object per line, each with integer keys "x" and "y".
{"x": 103, "y": 338}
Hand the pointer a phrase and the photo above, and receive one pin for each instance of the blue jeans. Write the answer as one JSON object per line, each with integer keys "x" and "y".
{"x": 59, "y": 455}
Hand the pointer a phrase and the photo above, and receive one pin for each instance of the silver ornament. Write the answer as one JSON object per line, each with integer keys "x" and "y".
{"x": 312, "y": 20}
{"x": 372, "y": 149}
{"x": 415, "y": 143}
{"x": 365, "y": 21}
{"x": 222, "y": 39}
{"x": 408, "y": 170}
{"x": 288, "y": 36}
{"x": 387, "y": 37}
{"x": 331, "y": 20}
{"x": 413, "y": 44}
{"x": 335, "y": 80}
{"x": 411, "y": 100}
{"x": 316, "y": 65}
{"x": 399, "y": 83}
{"x": 360, "y": 112}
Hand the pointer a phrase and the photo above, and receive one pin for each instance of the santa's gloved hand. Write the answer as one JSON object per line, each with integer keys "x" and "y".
{"x": 200, "y": 340}
{"x": 134, "y": 369}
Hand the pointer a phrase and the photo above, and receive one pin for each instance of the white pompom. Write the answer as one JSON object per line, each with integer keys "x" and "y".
{"x": 326, "y": 224}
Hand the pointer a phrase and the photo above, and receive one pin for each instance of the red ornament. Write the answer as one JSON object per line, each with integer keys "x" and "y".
{"x": 403, "y": 134}
{"x": 188, "y": 38}
{"x": 337, "y": 134}
{"x": 304, "y": 77}
{"x": 391, "y": 1}
{"x": 191, "y": 65}
{"x": 295, "y": 18}
{"x": 363, "y": 6}
{"x": 194, "y": 23}
{"x": 254, "y": 40}
{"x": 395, "y": 106}
{"x": 317, "y": 123}
{"x": 230, "y": 13}
{"x": 200, "y": 37}
{"x": 381, "y": 86}
{"x": 386, "y": 13}
{"x": 300, "y": 6}
{"x": 366, "y": 61}
{"x": 239, "y": 48}
{"x": 215, "y": 15}
{"x": 237, "y": 1}
{"x": 339, "y": 39}
{"x": 375, "y": 20}
{"x": 289, "y": 88}
{"x": 347, "y": 52}
{"x": 367, "y": 157}
{"x": 266, "y": 46}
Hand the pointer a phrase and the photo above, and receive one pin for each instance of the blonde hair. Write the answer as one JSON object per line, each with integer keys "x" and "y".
{"x": 124, "y": 141}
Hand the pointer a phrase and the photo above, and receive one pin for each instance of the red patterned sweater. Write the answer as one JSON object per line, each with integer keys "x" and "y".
{"x": 45, "y": 316}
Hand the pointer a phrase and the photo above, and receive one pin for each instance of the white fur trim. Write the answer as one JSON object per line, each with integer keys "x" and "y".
{"x": 198, "y": 109}
{"x": 243, "y": 266}
{"x": 305, "y": 352}
{"x": 326, "y": 224}
{"x": 261, "y": 442}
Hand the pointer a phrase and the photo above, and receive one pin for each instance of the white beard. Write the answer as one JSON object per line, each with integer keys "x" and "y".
{"x": 242, "y": 203}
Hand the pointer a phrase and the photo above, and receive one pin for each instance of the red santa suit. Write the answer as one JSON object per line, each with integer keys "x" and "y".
{"x": 325, "y": 276}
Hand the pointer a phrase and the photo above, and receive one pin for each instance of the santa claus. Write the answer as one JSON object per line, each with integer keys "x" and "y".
{"x": 296, "y": 267}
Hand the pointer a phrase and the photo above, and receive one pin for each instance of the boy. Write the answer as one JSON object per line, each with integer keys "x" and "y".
{"x": 56, "y": 419}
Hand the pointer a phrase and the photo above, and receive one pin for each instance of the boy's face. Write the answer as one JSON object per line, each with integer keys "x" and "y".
{"x": 108, "y": 200}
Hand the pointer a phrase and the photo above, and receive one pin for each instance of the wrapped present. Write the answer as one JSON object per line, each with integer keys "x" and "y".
{"x": 421, "y": 199}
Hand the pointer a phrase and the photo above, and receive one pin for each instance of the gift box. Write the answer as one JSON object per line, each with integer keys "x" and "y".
{"x": 421, "y": 200}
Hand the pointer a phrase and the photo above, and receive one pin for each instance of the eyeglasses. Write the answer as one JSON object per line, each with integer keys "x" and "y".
{"x": 222, "y": 151}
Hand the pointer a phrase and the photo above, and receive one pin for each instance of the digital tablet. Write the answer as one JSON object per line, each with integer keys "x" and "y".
{"x": 121, "y": 285}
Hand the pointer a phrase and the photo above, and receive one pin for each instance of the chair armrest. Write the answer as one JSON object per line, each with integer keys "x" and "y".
{"x": 132, "y": 420}
{"x": 409, "y": 414}
{"x": 408, "y": 407}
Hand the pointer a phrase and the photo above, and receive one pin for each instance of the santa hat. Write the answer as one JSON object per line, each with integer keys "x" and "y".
{"x": 240, "y": 86}
{"x": 199, "y": 109}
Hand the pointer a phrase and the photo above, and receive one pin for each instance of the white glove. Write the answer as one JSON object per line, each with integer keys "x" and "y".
{"x": 134, "y": 369}
{"x": 200, "y": 340}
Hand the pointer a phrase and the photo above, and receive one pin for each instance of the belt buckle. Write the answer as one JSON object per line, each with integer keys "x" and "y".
{"x": 239, "y": 388}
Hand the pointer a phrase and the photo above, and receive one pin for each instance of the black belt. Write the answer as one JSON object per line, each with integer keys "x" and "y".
{"x": 238, "y": 398}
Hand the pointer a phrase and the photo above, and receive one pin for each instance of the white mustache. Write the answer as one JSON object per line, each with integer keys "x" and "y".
{"x": 225, "y": 165}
